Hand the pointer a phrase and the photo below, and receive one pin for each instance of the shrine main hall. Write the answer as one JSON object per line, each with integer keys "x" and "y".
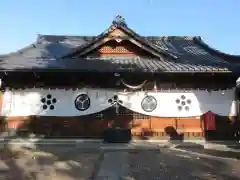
{"x": 78, "y": 86}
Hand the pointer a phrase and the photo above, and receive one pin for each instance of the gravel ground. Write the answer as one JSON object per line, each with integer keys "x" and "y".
{"x": 178, "y": 165}
{"x": 69, "y": 163}
{"x": 47, "y": 166}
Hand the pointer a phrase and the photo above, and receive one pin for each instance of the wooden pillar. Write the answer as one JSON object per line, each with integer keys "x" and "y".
{"x": 2, "y": 119}
{"x": 236, "y": 120}
{"x": 237, "y": 99}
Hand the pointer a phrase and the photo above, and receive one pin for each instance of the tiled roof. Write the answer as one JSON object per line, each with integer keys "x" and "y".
{"x": 136, "y": 64}
{"x": 192, "y": 55}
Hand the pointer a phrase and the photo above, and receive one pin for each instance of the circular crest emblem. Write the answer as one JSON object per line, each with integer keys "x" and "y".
{"x": 149, "y": 103}
{"x": 82, "y": 102}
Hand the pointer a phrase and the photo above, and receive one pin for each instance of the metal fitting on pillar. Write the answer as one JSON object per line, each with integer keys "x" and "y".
{"x": 238, "y": 83}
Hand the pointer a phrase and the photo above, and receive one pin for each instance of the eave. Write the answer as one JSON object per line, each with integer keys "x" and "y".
{"x": 226, "y": 56}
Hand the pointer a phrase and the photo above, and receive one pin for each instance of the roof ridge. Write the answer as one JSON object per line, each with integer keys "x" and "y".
{"x": 172, "y": 37}
{"x": 47, "y": 37}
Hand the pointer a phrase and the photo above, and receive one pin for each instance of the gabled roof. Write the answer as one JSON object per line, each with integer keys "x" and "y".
{"x": 120, "y": 29}
{"x": 174, "y": 54}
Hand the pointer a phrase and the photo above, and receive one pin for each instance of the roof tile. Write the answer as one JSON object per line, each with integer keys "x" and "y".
{"x": 46, "y": 53}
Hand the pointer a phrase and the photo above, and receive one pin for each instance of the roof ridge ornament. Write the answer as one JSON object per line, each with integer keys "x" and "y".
{"x": 119, "y": 21}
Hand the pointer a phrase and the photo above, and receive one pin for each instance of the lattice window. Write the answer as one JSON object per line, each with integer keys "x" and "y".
{"x": 117, "y": 49}
{"x": 134, "y": 115}
{"x": 140, "y": 116}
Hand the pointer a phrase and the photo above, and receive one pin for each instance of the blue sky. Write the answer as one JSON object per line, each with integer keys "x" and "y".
{"x": 217, "y": 21}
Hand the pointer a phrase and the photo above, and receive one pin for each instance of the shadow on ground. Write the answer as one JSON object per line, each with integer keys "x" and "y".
{"x": 48, "y": 161}
{"x": 63, "y": 160}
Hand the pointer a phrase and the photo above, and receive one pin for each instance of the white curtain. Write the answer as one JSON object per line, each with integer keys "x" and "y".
{"x": 169, "y": 104}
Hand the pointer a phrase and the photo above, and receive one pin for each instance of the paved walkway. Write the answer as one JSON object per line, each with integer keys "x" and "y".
{"x": 114, "y": 166}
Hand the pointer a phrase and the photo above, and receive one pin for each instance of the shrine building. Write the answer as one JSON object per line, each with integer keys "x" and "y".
{"x": 72, "y": 86}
